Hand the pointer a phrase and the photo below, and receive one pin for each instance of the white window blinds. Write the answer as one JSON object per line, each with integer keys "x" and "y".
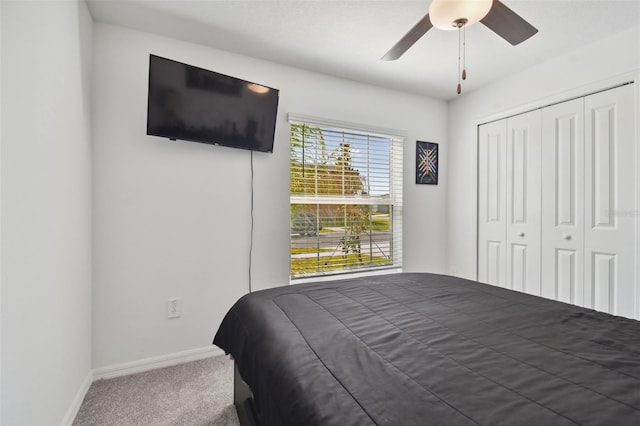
{"x": 346, "y": 198}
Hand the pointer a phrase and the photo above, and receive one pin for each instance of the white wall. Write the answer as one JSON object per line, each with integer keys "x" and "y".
{"x": 1, "y": 272}
{"x": 46, "y": 209}
{"x": 597, "y": 65}
{"x": 172, "y": 219}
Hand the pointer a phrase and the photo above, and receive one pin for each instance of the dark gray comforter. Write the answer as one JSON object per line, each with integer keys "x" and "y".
{"x": 425, "y": 349}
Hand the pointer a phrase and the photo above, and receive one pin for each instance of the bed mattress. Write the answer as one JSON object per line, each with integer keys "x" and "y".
{"x": 426, "y": 349}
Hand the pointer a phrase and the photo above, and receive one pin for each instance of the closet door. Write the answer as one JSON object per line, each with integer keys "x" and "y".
{"x": 563, "y": 202}
{"x": 523, "y": 202}
{"x": 610, "y": 201}
{"x": 492, "y": 171}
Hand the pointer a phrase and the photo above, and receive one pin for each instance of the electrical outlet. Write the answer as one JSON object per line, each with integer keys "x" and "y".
{"x": 174, "y": 307}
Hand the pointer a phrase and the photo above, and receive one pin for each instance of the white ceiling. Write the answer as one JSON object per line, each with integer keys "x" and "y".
{"x": 348, "y": 38}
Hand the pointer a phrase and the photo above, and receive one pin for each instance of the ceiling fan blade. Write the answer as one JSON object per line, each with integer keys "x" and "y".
{"x": 409, "y": 39}
{"x": 508, "y": 24}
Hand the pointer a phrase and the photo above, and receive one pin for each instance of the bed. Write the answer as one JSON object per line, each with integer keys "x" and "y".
{"x": 427, "y": 349}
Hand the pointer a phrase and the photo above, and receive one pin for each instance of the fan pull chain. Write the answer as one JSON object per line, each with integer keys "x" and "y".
{"x": 459, "y": 88}
{"x": 460, "y": 24}
{"x": 464, "y": 52}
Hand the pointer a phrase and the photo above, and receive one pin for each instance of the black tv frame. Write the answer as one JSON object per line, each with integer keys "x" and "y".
{"x": 235, "y": 84}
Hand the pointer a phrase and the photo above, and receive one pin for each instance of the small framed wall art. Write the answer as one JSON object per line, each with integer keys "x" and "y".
{"x": 426, "y": 163}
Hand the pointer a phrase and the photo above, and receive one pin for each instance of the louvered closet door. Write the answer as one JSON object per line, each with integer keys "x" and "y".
{"x": 610, "y": 201}
{"x": 523, "y": 202}
{"x": 563, "y": 202}
{"x": 492, "y": 170}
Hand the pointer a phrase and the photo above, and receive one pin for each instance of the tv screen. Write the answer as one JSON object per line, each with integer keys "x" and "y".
{"x": 194, "y": 104}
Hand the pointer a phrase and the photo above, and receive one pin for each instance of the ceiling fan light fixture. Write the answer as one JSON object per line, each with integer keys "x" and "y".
{"x": 445, "y": 14}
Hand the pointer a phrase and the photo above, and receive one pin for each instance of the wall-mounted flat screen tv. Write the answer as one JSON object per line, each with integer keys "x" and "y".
{"x": 194, "y": 104}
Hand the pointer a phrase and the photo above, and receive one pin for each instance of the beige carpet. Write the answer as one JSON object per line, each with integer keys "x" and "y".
{"x": 198, "y": 393}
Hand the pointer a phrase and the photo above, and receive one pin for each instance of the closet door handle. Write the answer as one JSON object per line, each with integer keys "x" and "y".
{"x": 521, "y": 234}
{"x": 566, "y": 237}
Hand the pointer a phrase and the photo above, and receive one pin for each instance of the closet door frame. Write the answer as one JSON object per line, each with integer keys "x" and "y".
{"x": 637, "y": 207}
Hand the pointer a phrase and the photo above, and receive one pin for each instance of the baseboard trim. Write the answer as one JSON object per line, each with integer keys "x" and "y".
{"x": 152, "y": 363}
{"x": 72, "y": 412}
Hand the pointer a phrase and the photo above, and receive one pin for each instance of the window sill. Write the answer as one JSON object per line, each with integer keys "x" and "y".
{"x": 344, "y": 276}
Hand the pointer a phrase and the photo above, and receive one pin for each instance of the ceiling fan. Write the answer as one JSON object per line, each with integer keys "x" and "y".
{"x": 459, "y": 14}
{"x": 498, "y": 17}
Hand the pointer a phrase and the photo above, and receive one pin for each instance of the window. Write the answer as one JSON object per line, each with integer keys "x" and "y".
{"x": 346, "y": 198}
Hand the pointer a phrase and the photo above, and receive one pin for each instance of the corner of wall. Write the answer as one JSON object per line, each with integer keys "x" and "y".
{"x": 76, "y": 403}
{"x": 1, "y": 274}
